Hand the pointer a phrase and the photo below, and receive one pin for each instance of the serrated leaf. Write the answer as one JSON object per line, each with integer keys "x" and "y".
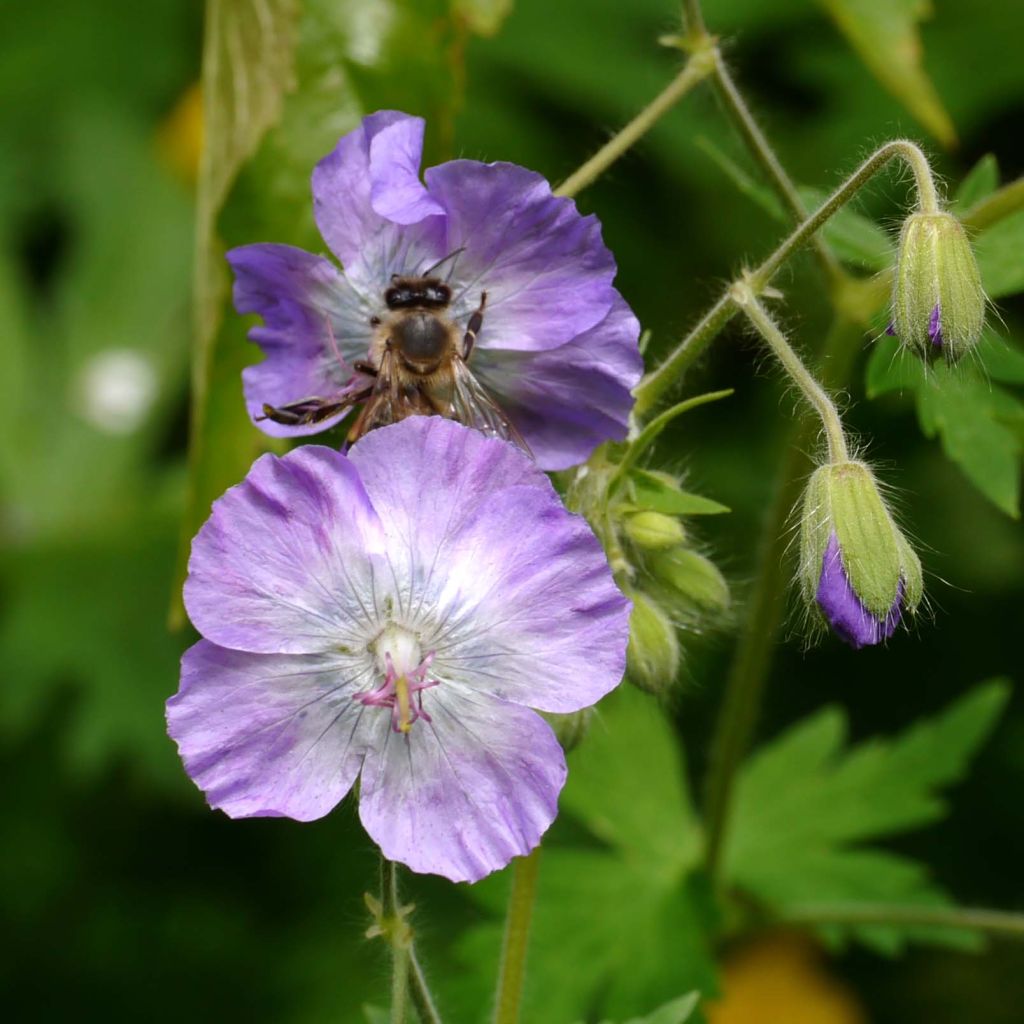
{"x": 891, "y": 367}
{"x": 652, "y": 491}
{"x": 998, "y": 250}
{"x": 884, "y": 33}
{"x": 618, "y": 925}
{"x": 981, "y": 181}
{"x": 678, "y": 1011}
{"x": 804, "y": 803}
{"x": 967, "y": 413}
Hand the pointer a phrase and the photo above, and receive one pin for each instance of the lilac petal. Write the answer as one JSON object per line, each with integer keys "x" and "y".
{"x": 547, "y": 273}
{"x": 464, "y": 793}
{"x": 370, "y": 206}
{"x": 527, "y": 606}
{"x": 283, "y": 563}
{"x": 314, "y": 326}
{"x": 849, "y": 619}
{"x": 568, "y": 400}
{"x": 267, "y": 735}
{"x": 935, "y": 327}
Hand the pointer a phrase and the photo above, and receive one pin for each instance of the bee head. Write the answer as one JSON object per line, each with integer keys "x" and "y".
{"x": 412, "y": 292}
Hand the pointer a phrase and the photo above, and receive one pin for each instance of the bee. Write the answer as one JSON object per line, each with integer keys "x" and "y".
{"x": 417, "y": 367}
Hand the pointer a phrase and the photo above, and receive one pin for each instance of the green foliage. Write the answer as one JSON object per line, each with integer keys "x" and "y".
{"x": 885, "y": 35}
{"x": 676, "y": 1012}
{"x": 978, "y": 421}
{"x": 981, "y": 181}
{"x": 619, "y": 923}
{"x": 805, "y": 805}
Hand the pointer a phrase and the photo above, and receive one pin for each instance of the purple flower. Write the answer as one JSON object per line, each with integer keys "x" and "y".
{"x": 393, "y": 615}
{"x": 557, "y": 346}
{"x": 846, "y": 614}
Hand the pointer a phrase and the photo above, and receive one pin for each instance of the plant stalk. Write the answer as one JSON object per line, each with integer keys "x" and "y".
{"x": 994, "y": 922}
{"x": 512, "y": 970}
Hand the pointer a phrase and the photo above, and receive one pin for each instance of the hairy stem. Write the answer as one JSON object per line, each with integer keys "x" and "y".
{"x": 995, "y": 922}
{"x": 696, "y": 69}
{"x": 656, "y": 384}
{"x": 765, "y": 607}
{"x": 740, "y": 114}
{"x": 512, "y": 971}
{"x": 420, "y": 992}
{"x": 815, "y": 394}
{"x": 399, "y": 938}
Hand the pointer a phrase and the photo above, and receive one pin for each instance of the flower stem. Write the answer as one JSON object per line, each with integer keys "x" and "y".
{"x": 794, "y": 366}
{"x": 397, "y": 932}
{"x": 656, "y": 384}
{"x": 752, "y": 660}
{"x": 696, "y": 69}
{"x": 421, "y": 997}
{"x": 517, "y": 935}
{"x": 737, "y": 109}
{"x": 996, "y": 922}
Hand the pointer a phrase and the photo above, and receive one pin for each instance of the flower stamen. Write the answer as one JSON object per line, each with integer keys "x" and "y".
{"x": 402, "y": 691}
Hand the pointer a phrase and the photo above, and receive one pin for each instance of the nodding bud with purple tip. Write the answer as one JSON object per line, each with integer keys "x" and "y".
{"x": 858, "y": 573}
{"x": 938, "y": 304}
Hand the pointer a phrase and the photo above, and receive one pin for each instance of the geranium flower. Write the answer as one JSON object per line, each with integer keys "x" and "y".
{"x": 393, "y": 614}
{"x": 557, "y": 347}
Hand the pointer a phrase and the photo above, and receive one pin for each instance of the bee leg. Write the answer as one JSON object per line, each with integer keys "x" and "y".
{"x": 362, "y": 366}
{"x": 476, "y": 321}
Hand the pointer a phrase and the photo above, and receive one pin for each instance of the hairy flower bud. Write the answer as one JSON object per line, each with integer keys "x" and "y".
{"x": 653, "y": 530}
{"x": 652, "y": 656}
{"x": 857, "y": 570}
{"x": 571, "y": 728}
{"x": 938, "y": 302}
{"x": 693, "y": 577}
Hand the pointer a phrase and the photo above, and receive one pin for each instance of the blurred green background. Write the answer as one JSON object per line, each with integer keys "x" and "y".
{"x": 121, "y": 895}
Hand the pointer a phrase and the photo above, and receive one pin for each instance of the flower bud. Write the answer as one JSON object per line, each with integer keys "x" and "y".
{"x": 653, "y": 530}
{"x": 938, "y": 302}
{"x": 692, "y": 576}
{"x": 857, "y": 570}
{"x": 652, "y": 655}
{"x": 570, "y": 728}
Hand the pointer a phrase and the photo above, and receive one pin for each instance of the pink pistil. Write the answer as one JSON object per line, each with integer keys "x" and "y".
{"x": 402, "y": 693}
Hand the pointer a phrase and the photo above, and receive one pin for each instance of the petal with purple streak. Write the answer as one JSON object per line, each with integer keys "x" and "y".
{"x": 846, "y": 614}
{"x": 935, "y": 326}
{"x": 568, "y": 400}
{"x": 314, "y": 326}
{"x": 284, "y": 563}
{"x": 547, "y": 273}
{"x": 464, "y": 793}
{"x": 371, "y": 207}
{"x": 268, "y": 735}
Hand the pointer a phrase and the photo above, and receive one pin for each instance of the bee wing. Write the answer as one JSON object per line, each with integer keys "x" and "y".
{"x": 395, "y": 396}
{"x": 473, "y": 406}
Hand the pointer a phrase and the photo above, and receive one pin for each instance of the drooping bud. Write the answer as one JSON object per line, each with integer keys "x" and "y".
{"x": 652, "y": 655}
{"x": 857, "y": 571}
{"x": 938, "y": 304}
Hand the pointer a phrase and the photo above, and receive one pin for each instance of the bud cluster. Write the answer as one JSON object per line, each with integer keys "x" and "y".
{"x": 640, "y": 518}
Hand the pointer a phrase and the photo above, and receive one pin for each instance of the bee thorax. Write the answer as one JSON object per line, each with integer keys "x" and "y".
{"x": 420, "y": 338}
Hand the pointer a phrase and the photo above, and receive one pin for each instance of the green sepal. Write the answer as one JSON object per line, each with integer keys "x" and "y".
{"x": 692, "y": 577}
{"x": 936, "y": 267}
{"x": 815, "y": 527}
{"x": 652, "y": 655}
{"x": 653, "y": 530}
{"x": 661, "y": 492}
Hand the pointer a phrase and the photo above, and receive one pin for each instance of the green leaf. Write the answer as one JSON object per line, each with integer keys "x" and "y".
{"x": 969, "y": 415}
{"x": 998, "y": 250}
{"x": 884, "y": 33}
{"x": 484, "y": 17}
{"x": 976, "y": 420}
{"x": 805, "y": 803}
{"x": 678, "y": 1011}
{"x": 618, "y": 923}
{"x": 660, "y": 494}
{"x": 981, "y": 181}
